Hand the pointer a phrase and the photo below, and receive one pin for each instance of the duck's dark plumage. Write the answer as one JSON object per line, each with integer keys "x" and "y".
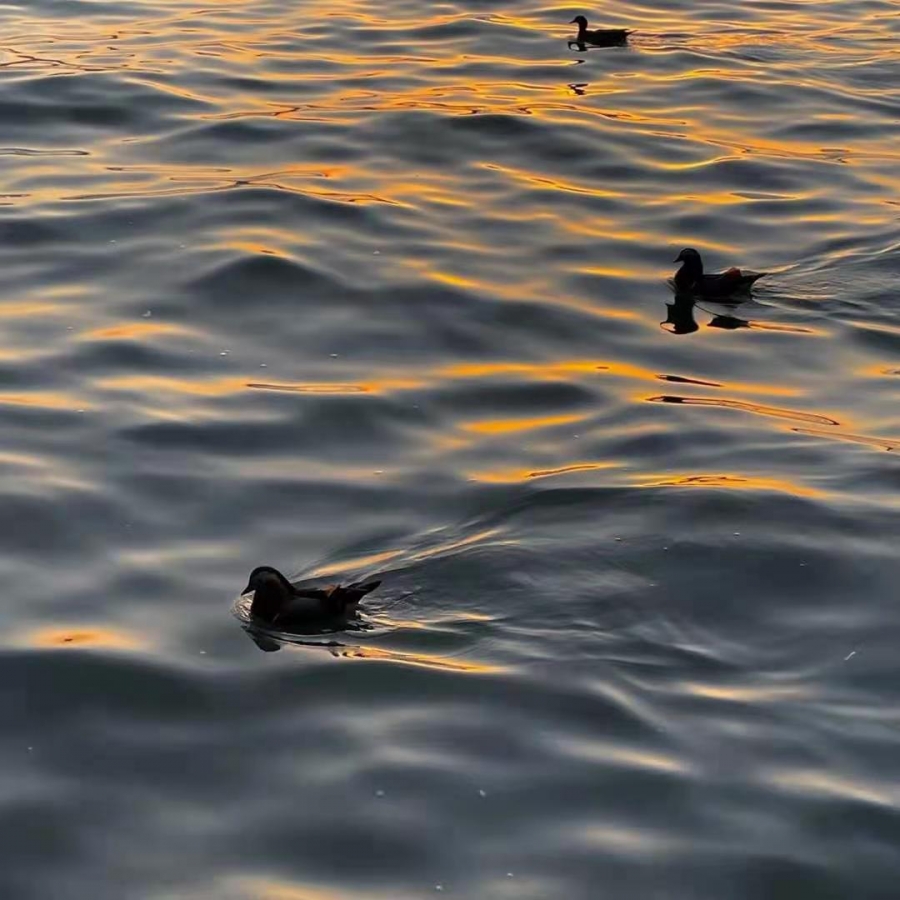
{"x": 691, "y": 279}
{"x": 600, "y": 37}
{"x": 278, "y": 602}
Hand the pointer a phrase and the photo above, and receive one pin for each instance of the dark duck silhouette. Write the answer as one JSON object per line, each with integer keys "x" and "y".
{"x": 690, "y": 278}
{"x": 600, "y": 37}
{"x": 277, "y": 602}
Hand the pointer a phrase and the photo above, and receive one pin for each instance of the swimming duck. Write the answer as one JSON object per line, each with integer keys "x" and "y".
{"x": 601, "y": 37}
{"x": 278, "y": 602}
{"x": 690, "y": 279}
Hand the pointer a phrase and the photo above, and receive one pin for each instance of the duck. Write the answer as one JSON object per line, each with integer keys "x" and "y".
{"x": 601, "y": 37}
{"x": 690, "y": 278}
{"x": 278, "y": 602}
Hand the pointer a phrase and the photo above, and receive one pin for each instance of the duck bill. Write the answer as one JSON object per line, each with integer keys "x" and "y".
{"x": 573, "y": 22}
{"x": 246, "y": 590}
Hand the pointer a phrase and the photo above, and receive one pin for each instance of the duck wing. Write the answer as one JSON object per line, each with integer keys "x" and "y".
{"x": 726, "y": 283}
{"x": 607, "y": 36}
{"x": 352, "y": 593}
{"x": 330, "y": 600}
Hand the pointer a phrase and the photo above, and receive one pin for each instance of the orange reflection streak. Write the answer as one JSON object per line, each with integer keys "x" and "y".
{"x": 882, "y": 443}
{"x": 44, "y": 400}
{"x": 369, "y": 561}
{"x": 555, "y": 370}
{"x": 828, "y": 784}
{"x": 731, "y": 482}
{"x": 421, "y": 660}
{"x": 132, "y": 331}
{"x": 743, "y": 406}
{"x": 511, "y": 476}
{"x": 152, "y": 384}
{"x": 29, "y": 309}
{"x": 107, "y": 638}
{"x": 749, "y": 693}
{"x": 507, "y": 426}
{"x": 267, "y": 889}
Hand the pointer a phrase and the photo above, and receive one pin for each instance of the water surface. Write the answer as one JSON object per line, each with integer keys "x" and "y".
{"x": 354, "y": 291}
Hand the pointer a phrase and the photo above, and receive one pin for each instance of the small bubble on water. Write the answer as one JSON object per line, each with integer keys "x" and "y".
{"x": 333, "y": 355}
{"x": 376, "y": 253}
{"x": 148, "y": 314}
{"x": 223, "y": 353}
{"x": 263, "y": 366}
{"x": 737, "y": 534}
{"x": 482, "y": 793}
{"x": 509, "y": 875}
{"x": 112, "y": 242}
{"x": 438, "y": 887}
{"x": 379, "y": 793}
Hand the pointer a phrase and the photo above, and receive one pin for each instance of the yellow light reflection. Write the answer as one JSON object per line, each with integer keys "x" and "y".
{"x": 419, "y": 660}
{"x": 748, "y": 693}
{"x": 508, "y": 426}
{"x": 268, "y": 889}
{"x": 732, "y": 482}
{"x": 743, "y": 406}
{"x": 132, "y": 331}
{"x": 45, "y": 400}
{"x": 98, "y": 636}
{"x": 830, "y": 785}
{"x": 512, "y": 476}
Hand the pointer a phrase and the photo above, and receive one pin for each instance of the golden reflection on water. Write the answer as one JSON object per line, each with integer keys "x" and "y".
{"x": 420, "y": 660}
{"x": 732, "y": 482}
{"x": 510, "y": 426}
{"x": 269, "y": 889}
{"x": 133, "y": 331}
{"x": 101, "y": 637}
{"x": 831, "y": 785}
{"x": 514, "y": 475}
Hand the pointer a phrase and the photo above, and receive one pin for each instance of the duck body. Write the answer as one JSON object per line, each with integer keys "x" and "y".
{"x": 277, "y": 602}
{"x": 692, "y": 280}
{"x": 600, "y": 37}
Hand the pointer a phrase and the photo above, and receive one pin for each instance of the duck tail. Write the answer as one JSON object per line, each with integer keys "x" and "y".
{"x": 353, "y": 593}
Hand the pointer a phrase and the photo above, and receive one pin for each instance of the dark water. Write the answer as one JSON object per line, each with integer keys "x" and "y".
{"x": 358, "y": 289}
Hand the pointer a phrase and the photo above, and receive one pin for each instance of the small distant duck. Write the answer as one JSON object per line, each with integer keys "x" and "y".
{"x": 690, "y": 278}
{"x": 278, "y": 602}
{"x": 601, "y": 37}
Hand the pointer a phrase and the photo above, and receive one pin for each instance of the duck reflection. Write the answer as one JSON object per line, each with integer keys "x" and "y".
{"x": 728, "y": 322}
{"x": 272, "y": 643}
{"x": 680, "y": 316}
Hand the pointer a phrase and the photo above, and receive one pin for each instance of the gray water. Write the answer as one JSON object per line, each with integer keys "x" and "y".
{"x": 361, "y": 290}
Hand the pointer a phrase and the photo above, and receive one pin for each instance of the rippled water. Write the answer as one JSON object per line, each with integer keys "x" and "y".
{"x": 357, "y": 290}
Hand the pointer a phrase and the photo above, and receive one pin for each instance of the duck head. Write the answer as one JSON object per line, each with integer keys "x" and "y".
{"x": 271, "y": 591}
{"x": 581, "y": 22}
{"x": 691, "y": 270}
